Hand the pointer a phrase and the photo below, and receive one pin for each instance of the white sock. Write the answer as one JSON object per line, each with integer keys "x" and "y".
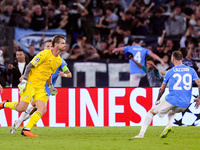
{"x": 146, "y": 123}
{"x": 171, "y": 117}
{"x": 29, "y": 108}
{"x": 25, "y": 115}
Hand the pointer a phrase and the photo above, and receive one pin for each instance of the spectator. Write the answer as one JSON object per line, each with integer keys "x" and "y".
{"x": 10, "y": 14}
{"x": 153, "y": 76}
{"x": 170, "y": 5}
{"x": 26, "y": 19}
{"x": 118, "y": 34}
{"x": 187, "y": 59}
{"x": 128, "y": 39}
{"x": 65, "y": 54}
{"x": 91, "y": 54}
{"x": 39, "y": 19}
{"x": 107, "y": 54}
{"x": 63, "y": 21}
{"x": 98, "y": 13}
{"x": 111, "y": 18}
{"x": 157, "y": 22}
{"x": 177, "y": 19}
{"x": 126, "y": 20}
{"x": 77, "y": 11}
{"x": 103, "y": 47}
{"x": 53, "y": 21}
{"x": 169, "y": 47}
{"x": 17, "y": 68}
{"x": 3, "y": 72}
{"x": 144, "y": 22}
{"x": 160, "y": 52}
{"x": 31, "y": 53}
{"x": 194, "y": 29}
{"x": 96, "y": 39}
{"x": 76, "y": 52}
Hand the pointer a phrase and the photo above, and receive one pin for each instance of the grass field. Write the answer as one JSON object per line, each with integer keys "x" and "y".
{"x": 100, "y": 138}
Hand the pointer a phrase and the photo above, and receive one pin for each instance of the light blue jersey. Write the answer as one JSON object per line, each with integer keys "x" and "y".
{"x": 180, "y": 80}
{"x": 63, "y": 67}
{"x": 139, "y": 54}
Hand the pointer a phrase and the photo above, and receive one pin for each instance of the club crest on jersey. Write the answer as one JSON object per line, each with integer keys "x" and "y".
{"x": 25, "y": 96}
{"x": 37, "y": 59}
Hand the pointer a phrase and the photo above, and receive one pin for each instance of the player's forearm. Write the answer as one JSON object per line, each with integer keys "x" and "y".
{"x": 138, "y": 64}
{"x": 154, "y": 66}
{"x": 161, "y": 91}
{"x": 156, "y": 57}
{"x": 27, "y": 71}
{"x": 117, "y": 49}
{"x": 68, "y": 74}
{"x": 49, "y": 80}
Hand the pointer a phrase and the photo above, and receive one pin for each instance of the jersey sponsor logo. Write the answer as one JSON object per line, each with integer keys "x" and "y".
{"x": 57, "y": 63}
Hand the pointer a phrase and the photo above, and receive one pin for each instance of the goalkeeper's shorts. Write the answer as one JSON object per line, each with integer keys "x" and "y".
{"x": 32, "y": 92}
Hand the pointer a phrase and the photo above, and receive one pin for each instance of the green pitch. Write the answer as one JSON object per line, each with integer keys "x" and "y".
{"x": 100, "y": 138}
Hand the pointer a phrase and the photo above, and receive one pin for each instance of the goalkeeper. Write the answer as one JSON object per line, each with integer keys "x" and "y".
{"x": 62, "y": 71}
{"x": 37, "y": 72}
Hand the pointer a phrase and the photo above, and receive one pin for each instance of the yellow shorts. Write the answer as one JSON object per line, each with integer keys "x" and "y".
{"x": 32, "y": 92}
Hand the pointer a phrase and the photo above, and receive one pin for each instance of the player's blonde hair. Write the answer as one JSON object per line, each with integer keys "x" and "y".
{"x": 56, "y": 39}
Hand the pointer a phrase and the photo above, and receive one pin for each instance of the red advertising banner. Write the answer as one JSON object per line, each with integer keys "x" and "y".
{"x": 88, "y": 107}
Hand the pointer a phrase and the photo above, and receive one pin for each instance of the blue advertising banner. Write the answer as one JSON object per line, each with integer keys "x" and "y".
{"x": 24, "y": 38}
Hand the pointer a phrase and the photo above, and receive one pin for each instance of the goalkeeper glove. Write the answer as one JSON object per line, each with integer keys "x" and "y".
{"x": 53, "y": 90}
{"x": 22, "y": 85}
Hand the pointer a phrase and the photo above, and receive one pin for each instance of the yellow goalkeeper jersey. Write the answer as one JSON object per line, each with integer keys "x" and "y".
{"x": 45, "y": 65}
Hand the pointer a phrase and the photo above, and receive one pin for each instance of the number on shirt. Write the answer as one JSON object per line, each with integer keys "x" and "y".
{"x": 137, "y": 57}
{"x": 187, "y": 84}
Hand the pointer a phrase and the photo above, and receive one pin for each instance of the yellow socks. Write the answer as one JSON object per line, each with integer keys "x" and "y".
{"x": 11, "y": 105}
{"x": 34, "y": 119}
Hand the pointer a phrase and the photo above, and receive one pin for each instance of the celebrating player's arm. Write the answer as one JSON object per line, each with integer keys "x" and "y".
{"x": 157, "y": 58}
{"x": 117, "y": 50}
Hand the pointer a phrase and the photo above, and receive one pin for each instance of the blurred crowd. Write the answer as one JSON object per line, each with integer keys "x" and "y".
{"x": 95, "y": 27}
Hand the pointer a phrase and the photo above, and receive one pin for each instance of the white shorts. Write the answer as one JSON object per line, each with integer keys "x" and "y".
{"x": 162, "y": 107}
{"x": 135, "y": 79}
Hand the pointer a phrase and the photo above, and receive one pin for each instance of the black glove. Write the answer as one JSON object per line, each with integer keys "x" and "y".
{"x": 129, "y": 55}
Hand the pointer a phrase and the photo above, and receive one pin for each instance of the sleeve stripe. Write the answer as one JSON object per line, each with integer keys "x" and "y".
{"x": 34, "y": 62}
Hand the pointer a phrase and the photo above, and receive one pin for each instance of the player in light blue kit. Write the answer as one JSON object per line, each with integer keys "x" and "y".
{"x": 180, "y": 79}
{"x": 139, "y": 54}
{"x": 62, "y": 71}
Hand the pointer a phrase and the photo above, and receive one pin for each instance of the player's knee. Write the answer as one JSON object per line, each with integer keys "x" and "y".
{"x": 20, "y": 108}
{"x": 42, "y": 110}
{"x": 152, "y": 112}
